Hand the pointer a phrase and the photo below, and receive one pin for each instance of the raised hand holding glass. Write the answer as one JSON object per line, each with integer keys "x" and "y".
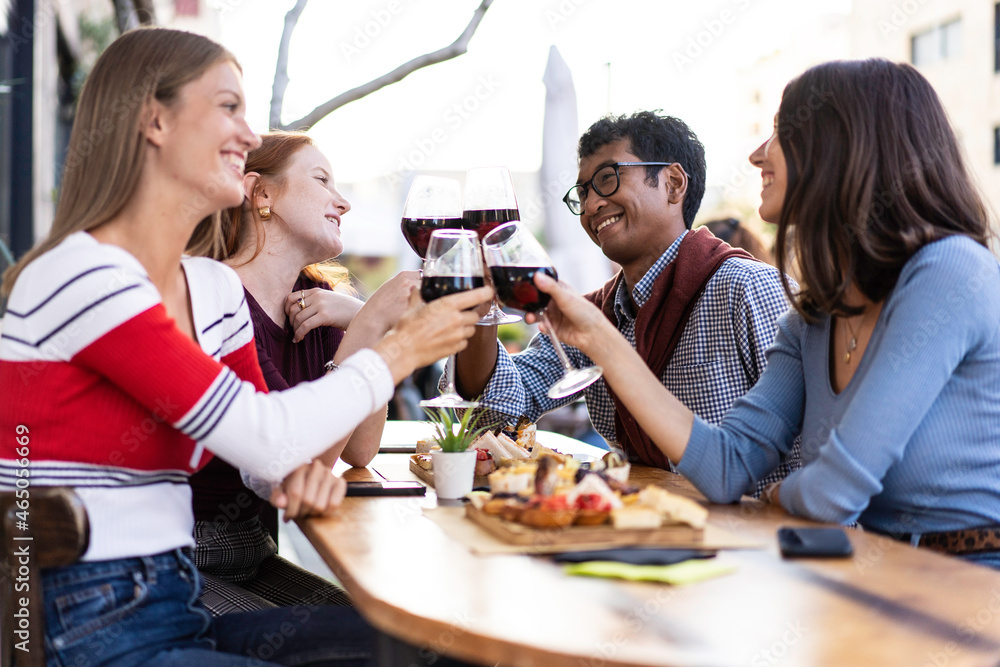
{"x": 514, "y": 257}
{"x": 490, "y": 201}
{"x": 452, "y": 265}
{"x": 432, "y": 203}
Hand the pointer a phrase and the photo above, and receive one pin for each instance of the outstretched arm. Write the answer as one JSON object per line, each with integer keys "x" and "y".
{"x": 268, "y": 435}
{"x": 365, "y": 327}
{"x": 579, "y": 323}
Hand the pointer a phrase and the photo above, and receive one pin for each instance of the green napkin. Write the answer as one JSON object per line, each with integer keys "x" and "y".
{"x": 687, "y": 572}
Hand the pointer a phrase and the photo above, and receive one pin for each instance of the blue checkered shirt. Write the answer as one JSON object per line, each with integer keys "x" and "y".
{"x": 719, "y": 356}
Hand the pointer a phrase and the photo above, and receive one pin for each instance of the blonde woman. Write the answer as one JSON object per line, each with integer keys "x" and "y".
{"x": 129, "y": 367}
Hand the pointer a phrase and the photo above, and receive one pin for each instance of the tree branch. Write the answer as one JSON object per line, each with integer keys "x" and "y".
{"x": 281, "y": 69}
{"x": 453, "y": 50}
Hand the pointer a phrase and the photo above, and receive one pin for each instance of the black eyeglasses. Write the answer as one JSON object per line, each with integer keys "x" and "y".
{"x": 605, "y": 183}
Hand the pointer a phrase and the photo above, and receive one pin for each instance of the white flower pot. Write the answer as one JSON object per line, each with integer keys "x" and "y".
{"x": 453, "y": 472}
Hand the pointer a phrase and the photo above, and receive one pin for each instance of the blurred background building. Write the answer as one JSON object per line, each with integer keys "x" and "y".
{"x": 720, "y": 66}
{"x": 956, "y": 45}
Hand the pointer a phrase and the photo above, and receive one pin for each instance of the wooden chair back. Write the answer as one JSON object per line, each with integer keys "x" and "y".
{"x": 45, "y": 527}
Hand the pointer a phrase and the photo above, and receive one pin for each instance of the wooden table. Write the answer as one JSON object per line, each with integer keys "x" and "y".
{"x": 888, "y": 605}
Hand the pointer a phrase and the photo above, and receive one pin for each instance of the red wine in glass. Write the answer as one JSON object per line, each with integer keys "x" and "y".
{"x": 453, "y": 264}
{"x": 515, "y": 286}
{"x": 435, "y": 287}
{"x": 484, "y": 221}
{"x": 417, "y": 231}
{"x": 514, "y": 257}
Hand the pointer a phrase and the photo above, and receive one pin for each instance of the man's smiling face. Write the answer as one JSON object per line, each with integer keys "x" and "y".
{"x": 633, "y": 224}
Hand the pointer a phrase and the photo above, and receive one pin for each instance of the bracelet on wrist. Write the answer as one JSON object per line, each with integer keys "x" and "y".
{"x": 331, "y": 366}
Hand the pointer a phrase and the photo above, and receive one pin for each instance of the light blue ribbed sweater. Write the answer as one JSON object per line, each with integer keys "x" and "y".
{"x": 912, "y": 444}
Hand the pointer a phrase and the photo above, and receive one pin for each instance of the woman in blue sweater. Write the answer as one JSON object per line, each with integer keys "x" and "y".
{"x": 889, "y": 362}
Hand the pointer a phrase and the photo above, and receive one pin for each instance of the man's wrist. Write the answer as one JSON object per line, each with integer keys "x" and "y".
{"x": 770, "y": 493}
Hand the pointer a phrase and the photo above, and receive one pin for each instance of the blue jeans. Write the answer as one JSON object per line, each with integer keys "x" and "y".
{"x": 144, "y": 611}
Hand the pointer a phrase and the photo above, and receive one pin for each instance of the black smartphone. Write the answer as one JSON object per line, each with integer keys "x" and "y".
{"x": 386, "y": 489}
{"x": 814, "y": 543}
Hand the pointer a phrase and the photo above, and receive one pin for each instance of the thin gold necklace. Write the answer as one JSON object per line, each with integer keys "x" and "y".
{"x": 852, "y": 344}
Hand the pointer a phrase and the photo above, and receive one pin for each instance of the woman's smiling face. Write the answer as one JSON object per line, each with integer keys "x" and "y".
{"x": 770, "y": 159}
{"x": 309, "y": 205}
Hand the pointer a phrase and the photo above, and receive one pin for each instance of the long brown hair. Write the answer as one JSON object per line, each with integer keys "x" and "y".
{"x": 270, "y": 160}
{"x": 874, "y": 174}
{"x": 106, "y": 147}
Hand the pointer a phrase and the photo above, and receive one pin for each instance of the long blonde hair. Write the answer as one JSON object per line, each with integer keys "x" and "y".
{"x": 270, "y": 160}
{"x": 106, "y": 148}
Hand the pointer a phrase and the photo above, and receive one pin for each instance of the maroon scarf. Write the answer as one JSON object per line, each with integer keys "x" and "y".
{"x": 661, "y": 321}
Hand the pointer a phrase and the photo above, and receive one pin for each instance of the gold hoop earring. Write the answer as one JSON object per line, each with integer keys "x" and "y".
{"x": 265, "y": 212}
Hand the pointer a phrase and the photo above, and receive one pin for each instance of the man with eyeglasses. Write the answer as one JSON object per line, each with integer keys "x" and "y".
{"x": 701, "y": 313}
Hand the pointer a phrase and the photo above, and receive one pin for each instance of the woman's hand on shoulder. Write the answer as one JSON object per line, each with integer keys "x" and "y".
{"x": 310, "y": 490}
{"x": 323, "y": 308}
{"x": 387, "y": 305}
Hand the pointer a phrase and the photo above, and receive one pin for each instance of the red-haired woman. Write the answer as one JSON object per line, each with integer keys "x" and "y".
{"x": 289, "y": 223}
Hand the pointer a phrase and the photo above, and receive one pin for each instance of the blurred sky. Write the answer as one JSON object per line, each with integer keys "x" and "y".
{"x": 486, "y": 106}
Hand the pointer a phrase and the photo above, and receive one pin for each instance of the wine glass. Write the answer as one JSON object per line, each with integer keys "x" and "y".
{"x": 452, "y": 265}
{"x": 514, "y": 257}
{"x": 432, "y": 203}
{"x": 489, "y": 201}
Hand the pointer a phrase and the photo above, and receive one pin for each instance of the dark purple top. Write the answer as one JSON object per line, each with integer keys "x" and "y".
{"x": 218, "y": 491}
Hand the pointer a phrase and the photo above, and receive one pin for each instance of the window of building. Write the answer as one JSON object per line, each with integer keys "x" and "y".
{"x": 996, "y": 37}
{"x": 942, "y": 42}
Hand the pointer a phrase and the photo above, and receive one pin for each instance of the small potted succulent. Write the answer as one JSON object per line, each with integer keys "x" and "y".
{"x": 455, "y": 463}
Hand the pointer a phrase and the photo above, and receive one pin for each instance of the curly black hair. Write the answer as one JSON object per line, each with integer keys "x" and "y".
{"x": 654, "y": 138}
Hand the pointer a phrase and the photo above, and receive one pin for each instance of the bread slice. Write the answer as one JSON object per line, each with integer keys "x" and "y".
{"x": 515, "y": 452}
{"x": 636, "y": 516}
{"x": 422, "y": 460}
{"x": 488, "y": 441}
{"x": 674, "y": 508}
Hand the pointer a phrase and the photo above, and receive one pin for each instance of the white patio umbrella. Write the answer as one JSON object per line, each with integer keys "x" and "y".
{"x": 578, "y": 260}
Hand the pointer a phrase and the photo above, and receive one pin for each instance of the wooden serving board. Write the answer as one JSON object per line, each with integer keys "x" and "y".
{"x": 604, "y": 535}
{"x": 427, "y": 476}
